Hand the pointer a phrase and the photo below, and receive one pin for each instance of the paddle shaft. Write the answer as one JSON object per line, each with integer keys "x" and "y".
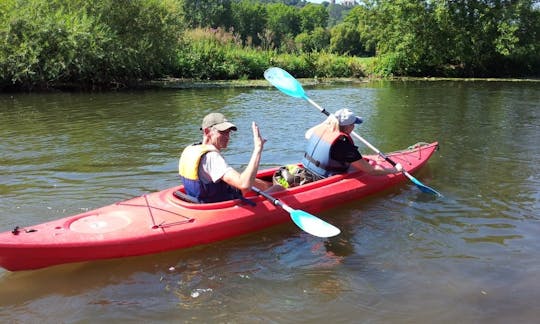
{"x": 307, "y": 222}
{"x": 274, "y": 201}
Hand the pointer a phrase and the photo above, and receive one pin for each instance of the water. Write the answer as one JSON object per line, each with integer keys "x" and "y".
{"x": 402, "y": 257}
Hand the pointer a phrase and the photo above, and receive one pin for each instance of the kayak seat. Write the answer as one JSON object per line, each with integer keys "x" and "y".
{"x": 185, "y": 197}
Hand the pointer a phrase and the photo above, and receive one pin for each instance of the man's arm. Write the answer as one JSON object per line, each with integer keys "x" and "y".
{"x": 377, "y": 169}
{"x": 245, "y": 180}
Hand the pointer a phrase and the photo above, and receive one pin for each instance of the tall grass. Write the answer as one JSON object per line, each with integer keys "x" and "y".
{"x": 212, "y": 54}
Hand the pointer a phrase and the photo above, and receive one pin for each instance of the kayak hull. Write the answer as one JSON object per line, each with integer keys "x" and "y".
{"x": 160, "y": 221}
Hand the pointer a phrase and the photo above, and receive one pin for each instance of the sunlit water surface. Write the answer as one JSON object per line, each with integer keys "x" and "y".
{"x": 403, "y": 256}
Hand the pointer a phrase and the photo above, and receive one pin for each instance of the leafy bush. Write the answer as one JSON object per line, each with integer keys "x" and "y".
{"x": 42, "y": 45}
{"x": 51, "y": 42}
{"x": 315, "y": 41}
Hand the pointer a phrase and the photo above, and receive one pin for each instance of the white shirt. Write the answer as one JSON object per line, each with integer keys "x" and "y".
{"x": 212, "y": 167}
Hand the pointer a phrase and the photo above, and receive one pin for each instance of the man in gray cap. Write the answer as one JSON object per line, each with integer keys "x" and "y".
{"x": 204, "y": 172}
{"x": 330, "y": 149}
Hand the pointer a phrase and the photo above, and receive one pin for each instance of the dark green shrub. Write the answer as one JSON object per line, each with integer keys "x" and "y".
{"x": 45, "y": 43}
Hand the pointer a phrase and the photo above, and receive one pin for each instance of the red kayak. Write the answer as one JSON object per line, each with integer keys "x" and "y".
{"x": 162, "y": 221}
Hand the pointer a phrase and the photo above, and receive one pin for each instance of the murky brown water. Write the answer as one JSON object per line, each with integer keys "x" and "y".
{"x": 402, "y": 257}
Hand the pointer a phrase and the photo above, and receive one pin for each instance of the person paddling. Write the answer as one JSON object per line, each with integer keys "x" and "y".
{"x": 207, "y": 177}
{"x": 330, "y": 149}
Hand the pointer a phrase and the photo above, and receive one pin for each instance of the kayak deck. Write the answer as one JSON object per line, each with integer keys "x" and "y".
{"x": 160, "y": 221}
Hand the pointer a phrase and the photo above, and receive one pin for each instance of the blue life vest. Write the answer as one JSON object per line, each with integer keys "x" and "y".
{"x": 188, "y": 168}
{"x": 317, "y": 153}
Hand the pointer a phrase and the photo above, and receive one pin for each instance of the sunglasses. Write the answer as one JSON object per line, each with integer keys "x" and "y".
{"x": 225, "y": 132}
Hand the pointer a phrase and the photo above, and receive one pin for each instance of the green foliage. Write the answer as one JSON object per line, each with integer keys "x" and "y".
{"x": 313, "y": 16}
{"x": 346, "y": 40}
{"x": 336, "y": 14}
{"x": 146, "y": 34}
{"x": 51, "y": 42}
{"x": 250, "y": 21}
{"x": 309, "y": 65}
{"x": 331, "y": 66}
{"x": 217, "y": 54}
{"x": 114, "y": 43}
{"x": 315, "y": 41}
{"x": 390, "y": 64}
{"x": 44, "y": 42}
{"x": 464, "y": 38}
{"x": 205, "y": 13}
{"x": 284, "y": 23}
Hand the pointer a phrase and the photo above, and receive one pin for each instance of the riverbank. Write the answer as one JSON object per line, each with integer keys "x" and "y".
{"x": 174, "y": 83}
{"x": 177, "y": 83}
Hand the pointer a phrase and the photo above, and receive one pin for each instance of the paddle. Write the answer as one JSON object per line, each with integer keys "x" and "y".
{"x": 307, "y": 222}
{"x": 287, "y": 84}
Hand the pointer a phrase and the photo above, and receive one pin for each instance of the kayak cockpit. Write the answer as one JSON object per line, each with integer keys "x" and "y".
{"x": 179, "y": 197}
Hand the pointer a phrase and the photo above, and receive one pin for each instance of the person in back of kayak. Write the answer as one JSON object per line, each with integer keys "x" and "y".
{"x": 204, "y": 172}
{"x": 330, "y": 149}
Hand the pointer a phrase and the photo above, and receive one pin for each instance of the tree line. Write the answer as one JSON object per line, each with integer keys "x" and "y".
{"x": 116, "y": 43}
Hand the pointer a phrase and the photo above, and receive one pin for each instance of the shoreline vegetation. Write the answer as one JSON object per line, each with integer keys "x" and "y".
{"x": 176, "y": 83}
{"x": 78, "y": 45}
{"x": 180, "y": 83}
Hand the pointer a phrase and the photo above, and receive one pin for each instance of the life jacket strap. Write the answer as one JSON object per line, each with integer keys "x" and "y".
{"x": 321, "y": 165}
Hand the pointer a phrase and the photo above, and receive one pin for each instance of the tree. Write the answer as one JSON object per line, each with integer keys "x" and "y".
{"x": 336, "y": 13}
{"x": 315, "y": 41}
{"x": 283, "y": 23}
{"x": 313, "y": 16}
{"x": 90, "y": 43}
{"x": 345, "y": 40}
{"x": 466, "y": 37}
{"x": 250, "y": 19}
{"x": 204, "y": 13}
{"x": 491, "y": 36}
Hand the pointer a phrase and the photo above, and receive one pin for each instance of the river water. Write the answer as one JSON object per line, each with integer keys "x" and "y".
{"x": 472, "y": 256}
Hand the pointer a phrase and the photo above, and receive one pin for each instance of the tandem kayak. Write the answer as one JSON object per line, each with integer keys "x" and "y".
{"x": 162, "y": 221}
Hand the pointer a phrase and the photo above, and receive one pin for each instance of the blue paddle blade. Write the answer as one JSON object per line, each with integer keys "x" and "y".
{"x": 313, "y": 225}
{"x": 422, "y": 186}
{"x": 285, "y": 82}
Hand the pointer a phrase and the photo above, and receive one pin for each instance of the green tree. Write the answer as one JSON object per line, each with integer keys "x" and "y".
{"x": 205, "y": 13}
{"x": 345, "y": 40}
{"x": 403, "y": 30}
{"x": 146, "y": 35}
{"x": 491, "y": 37}
{"x": 336, "y": 12}
{"x": 283, "y": 23}
{"x": 110, "y": 42}
{"x": 467, "y": 37}
{"x": 315, "y": 41}
{"x": 249, "y": 21}
{"x": 46, "y": 42}
{"x": 313, "y": 16}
